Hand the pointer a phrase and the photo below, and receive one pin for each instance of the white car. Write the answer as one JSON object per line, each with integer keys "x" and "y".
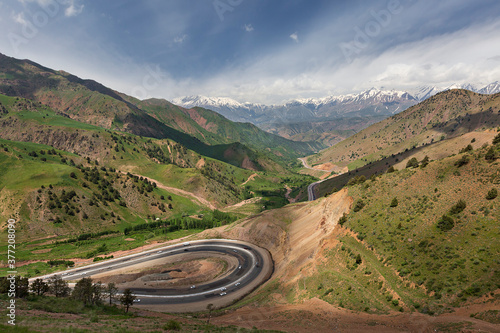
{"x": 237, "y": 284}
{"x": 224, "y": 293}
{"x": 137, "y": 300}
{"x": 223, "y": 288}
{"x": 192, "y": 287}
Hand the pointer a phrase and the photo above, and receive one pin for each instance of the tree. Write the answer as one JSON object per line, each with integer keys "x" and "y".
{"x": 342, "y": 220}
{"x": 391, "y": 169}
{"x": 492, "y": 194}
{"x": 412, "y": 163}
{"x": 394, "y": 202}
{"x": 58, "y": 287}
{"x": 490, "y": 154}
{"x": 445, "y": 223}
{"x": 111, "y": 290}
{"x": 97, "y": 292}
{"x": 424, "y": 162}
{"x": 458, "y": 207}
{"x": 127, "y": 299}
{"x": 22, "y": 287}
{"x": 39, "y": 287}
{"x": 358, "y": 205}
{"x": 496, "y": 139}
{"x": 83, "y": 291}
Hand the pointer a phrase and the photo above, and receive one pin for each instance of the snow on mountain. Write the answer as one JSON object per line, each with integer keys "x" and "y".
{"x": 423, "y": 92}
{"x": 492, "y": 88}
{"x": 366, "y": 103}
{"x": 204, "y": 101}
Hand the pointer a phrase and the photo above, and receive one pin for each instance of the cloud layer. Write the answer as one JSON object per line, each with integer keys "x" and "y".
{"x": 291, "y": 49}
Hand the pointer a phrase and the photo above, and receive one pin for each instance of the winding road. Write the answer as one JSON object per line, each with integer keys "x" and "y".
{"x": 310, "y": 189}
{"x": 254, "y": 267}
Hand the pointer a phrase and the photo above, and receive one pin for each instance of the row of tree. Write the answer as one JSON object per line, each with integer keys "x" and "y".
{"x": 86, "y": 290}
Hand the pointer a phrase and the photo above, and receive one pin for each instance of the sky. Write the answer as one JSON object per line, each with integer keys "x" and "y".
{"x": 255, "y": 50}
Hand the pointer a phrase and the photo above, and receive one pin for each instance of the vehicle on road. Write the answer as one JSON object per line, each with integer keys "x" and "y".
{"x": 224, "y": 293}
{"x": 186, "y": 244}
{"x": 237, "y": 284}
{"x": 192, "y": 287}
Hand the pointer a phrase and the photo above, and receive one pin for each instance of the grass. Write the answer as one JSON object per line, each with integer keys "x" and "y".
{"x": 403, "y": 246}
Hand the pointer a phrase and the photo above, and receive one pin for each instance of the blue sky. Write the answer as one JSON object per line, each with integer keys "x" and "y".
{"x": 256, "y": 50}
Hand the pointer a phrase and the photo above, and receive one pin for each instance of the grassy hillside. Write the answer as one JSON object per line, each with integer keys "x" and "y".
{"x": 424, "y": 238}
{"x": 90, "y": 102}
{"x": 212, "y": 128}
{"x": 446, "y": 115}
{"x": 79, "y": 178}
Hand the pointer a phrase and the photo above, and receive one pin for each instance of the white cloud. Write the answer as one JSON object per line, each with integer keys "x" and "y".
{"x": 180, "y": 39}
{"x": 248, "y": 27}
{"x": 295, "y": 37}
{"x": 73, "y": 9}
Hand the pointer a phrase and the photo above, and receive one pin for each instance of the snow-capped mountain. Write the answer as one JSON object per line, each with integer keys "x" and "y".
{"x": 228, "y": 107}
{"x": 423, "y": 92}
{"x": 371, "y": 102}
{"x": 492, "y": 88}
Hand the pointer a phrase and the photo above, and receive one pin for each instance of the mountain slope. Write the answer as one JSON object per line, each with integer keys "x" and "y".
{"x": 387, "y": 256}
{"x": 211, "y": 127}
{"x": 90, "y": 102}
{"x": 445, "y": 115}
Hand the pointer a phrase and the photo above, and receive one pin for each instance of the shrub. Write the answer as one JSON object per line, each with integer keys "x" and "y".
{"x": 463, "y": 161}
{"x": 466, "y": 149}
{"x": 490, "y": 155}
{"x": 358, "y": 205}
{"x": 458, "y": 207}
{"x": 496, "y": 139}
{"x": 424, "y": 162}
{"x": 172, "y": 325}
{"x": 412, "y": 163}
{"x": 343, "y": 219}
{"x": 445, "y": 223}
{"x": 391, "y": 169}
{"x": 394, "y": 202}
{"x": 492, "y": 194}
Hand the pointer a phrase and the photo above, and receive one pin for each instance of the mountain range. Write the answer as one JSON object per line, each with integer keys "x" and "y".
{"x": 372, "y": 102}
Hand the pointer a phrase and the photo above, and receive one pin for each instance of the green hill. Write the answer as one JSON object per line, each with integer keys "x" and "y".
{"x": 90, "y": 102}
{"x": 421, "y": 239}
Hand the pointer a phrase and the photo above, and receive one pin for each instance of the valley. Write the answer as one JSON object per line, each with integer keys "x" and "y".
{"x": 374, "y": 221}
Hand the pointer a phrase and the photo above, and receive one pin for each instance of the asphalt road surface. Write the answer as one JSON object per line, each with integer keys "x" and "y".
{"x": 254, "y": 267}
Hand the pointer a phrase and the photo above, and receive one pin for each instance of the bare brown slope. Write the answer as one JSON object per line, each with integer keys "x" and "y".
{"x": 293, "y": 234}
{"x": 445, "y": 115}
